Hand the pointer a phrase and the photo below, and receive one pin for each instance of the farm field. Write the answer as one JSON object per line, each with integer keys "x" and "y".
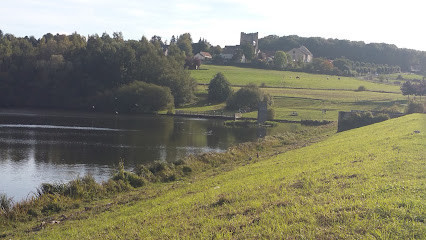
{"x": 365, "y": 183}
{"x": 312, "y": 97}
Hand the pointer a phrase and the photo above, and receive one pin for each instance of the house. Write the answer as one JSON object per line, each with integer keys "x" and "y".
{"x": 233, "y": 54}
{"x": 203, "y": 56}
{"x": 300, "y": 54}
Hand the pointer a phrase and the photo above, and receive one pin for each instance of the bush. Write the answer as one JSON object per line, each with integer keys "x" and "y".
{"x": 360, "y": 119}
{"x": 219, "y": 89}
{"x": 128, "y": 177}
{"x": 314, "y": 122}
{"x": 415, "y": 107}
{"x": 361, "y": 88}
{"x": 186, "y": 170}
{"x": 164, "y": 172}
{"x": 83, "y": 188}
{"x": 136, "y": 97}
{"x": 247, "y": 98}
{"x": 271, "y": 114}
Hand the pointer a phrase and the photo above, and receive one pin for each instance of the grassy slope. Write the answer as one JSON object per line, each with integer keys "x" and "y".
{"x": 363, "y": 183}
{"x": 242, "y": 76}
{"x": 308, "y": 102}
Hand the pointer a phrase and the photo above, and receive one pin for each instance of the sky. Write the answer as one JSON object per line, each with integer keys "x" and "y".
{"x": 221, "y": 21}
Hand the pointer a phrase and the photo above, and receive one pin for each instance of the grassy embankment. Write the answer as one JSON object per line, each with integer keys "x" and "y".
{"x": 363, "y": 183}
{"x": 307, "y": 96}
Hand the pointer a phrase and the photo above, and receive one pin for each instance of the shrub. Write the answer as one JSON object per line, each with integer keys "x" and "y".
{"x": 219, "y": 88}
{"x": 415, "y": 107}
{"x": 360, "y": 119}
{"x": 85, "y": 188}
{"x": 314, "y": 122}
{"x": 247, "y": 98}
{"x": 270, "y": 114}
{"x": 136, "y": 97}
{"x": 361, "y": 88}
{"x": 162, "y": 171}
{"x": 186, "y": 170}
{"x": 128, "y": 177}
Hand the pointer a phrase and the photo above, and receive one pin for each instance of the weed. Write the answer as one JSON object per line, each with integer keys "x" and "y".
{"x": 5, "y": 203}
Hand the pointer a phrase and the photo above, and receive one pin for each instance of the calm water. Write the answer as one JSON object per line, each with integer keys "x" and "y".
{"x": 58, "y": 147}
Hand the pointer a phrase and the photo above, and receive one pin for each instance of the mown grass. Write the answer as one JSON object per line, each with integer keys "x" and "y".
{"x": 365, "y": 183}
{"x": 310, "y": 103}
{"x": 312, "y": 96}
{"x": 242, "y": 76}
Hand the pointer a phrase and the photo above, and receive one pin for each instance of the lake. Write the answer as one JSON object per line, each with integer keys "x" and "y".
{"x": 51, "y": 147}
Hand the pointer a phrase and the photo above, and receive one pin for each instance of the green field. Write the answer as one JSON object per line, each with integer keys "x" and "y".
{"x": 242, "y": 76}
{"x": 365, "y": 183}
{"x": 308, "y": 96}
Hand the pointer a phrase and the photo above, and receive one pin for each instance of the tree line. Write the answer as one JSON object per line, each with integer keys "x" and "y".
{"x": 356, "y": 51}
{"x": 104, "y": 73}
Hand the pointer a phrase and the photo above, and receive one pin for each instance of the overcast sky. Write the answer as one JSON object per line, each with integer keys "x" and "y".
{"x": 220, "y": 21}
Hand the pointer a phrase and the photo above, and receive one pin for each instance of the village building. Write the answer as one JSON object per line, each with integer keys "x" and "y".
{"x": 251, "y": 39}
{"x": 203, "y": 56}
{"x": 233, "y": 54}
{"x": 300, "y": 54}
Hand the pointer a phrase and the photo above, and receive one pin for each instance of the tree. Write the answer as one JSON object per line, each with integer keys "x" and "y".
{"x": 219, "y": 88}
{"x": 407, "y": 88}
{"x": 420, "y": 89}
{"x": 192, "y": 63}
{"x": 280, "y": 60}
{"x": 184, "y": 42}
{"x": 320, "y": 65}
{"x": 343, "y": 64}
{"x": 215, "y": 50}
{"x": 201, "y": 46}
{"x": 248, "y": 51}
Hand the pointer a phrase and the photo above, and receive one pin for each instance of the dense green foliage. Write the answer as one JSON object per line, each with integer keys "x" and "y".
{"x": 68, "y": 71}
{"x": 409, "y": 88}
{"x": 247, "y": 98}
{"x": 135, "y": 97}
{"x": 184, "y": 42}
{"x": 415, "y": 107}
{"x": 280, "y": 60}
{"x": 219, "y": 88}
{"x": 378, "y": 53}
{"x": 360, "y": 119}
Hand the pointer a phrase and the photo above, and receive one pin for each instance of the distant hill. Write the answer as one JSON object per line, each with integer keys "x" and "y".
{"x": 379, "y": 53}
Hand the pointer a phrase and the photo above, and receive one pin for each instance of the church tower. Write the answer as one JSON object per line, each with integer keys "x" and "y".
{"x": 250, "y": 38}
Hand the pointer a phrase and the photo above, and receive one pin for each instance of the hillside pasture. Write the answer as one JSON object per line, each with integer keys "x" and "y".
{"x": 312, "y": 97}
{"x": 272, "y": 78}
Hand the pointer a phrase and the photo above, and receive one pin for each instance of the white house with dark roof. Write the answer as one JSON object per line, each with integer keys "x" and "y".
{"x": 300, "y": 54}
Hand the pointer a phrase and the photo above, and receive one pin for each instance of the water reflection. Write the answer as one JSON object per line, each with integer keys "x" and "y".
{"x": 36, "y": 149}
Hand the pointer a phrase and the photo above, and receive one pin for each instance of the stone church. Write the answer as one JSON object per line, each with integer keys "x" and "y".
{"x": 250, "y": 38}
